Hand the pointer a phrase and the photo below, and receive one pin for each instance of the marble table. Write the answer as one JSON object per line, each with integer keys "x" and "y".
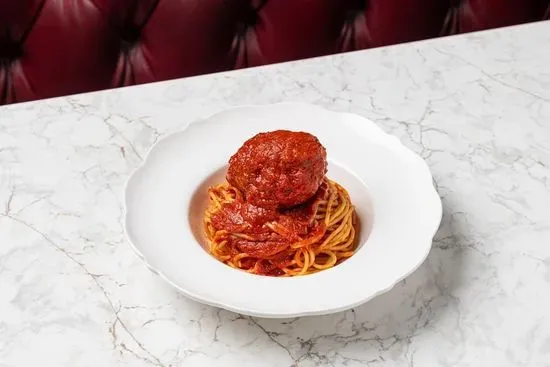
{"x": 476, "y": 107}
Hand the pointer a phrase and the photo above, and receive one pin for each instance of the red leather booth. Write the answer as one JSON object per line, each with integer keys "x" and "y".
{"x": 58, "y": 47}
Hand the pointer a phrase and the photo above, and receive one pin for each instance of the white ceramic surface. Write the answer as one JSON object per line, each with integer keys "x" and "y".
{"x": 363, "y": 158}
{"x": 476, "y": 107}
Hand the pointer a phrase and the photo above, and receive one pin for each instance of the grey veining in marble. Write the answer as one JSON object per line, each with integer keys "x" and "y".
{"x": 476, "y": 107}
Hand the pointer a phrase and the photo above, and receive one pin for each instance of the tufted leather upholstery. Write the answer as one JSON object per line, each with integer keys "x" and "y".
{"x": 58, "y": 47}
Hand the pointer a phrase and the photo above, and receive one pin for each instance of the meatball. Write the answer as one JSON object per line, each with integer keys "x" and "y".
{"x": 278, "y": 169}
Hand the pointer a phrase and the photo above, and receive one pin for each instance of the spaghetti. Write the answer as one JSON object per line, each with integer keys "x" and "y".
{"x": 304, "y": 239}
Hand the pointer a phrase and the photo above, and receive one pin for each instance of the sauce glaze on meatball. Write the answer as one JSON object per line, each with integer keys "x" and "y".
{"x": 278, "y": 169}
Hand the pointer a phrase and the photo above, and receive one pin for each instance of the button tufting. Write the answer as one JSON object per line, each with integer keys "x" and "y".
{"x": 251, "y": 17}
{"x": 455, "y": 4}
{"x": 356, "y": 7}
{"x": 10, "y": 51}
{"x": 129, "y": 36}
{"x": 249, "y": 20}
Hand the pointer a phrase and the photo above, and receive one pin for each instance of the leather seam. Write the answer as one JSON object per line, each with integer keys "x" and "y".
{"x": 32, "y": 23}
{"x": 148, "y": 15}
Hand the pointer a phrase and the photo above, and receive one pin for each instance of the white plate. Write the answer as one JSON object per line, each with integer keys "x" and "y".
{"x": 391, "y": 187}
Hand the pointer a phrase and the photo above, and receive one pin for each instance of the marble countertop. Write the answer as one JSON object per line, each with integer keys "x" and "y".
{"x": 476, "y": 107}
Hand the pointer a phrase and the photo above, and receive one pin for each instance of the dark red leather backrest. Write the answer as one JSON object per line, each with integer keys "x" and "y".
{"x": 58, "y": 47}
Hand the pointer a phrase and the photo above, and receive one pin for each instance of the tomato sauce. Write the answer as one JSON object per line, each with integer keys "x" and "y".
{"x": 260, "y": 240}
